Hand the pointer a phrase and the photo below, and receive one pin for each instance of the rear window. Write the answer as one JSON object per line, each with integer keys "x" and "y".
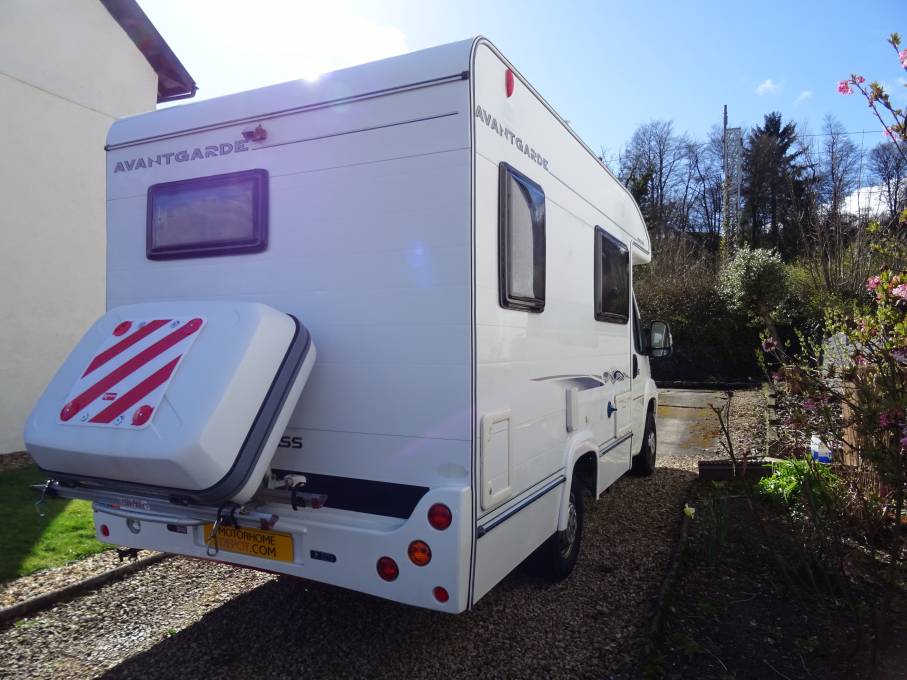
{"x": 215, "y": 215}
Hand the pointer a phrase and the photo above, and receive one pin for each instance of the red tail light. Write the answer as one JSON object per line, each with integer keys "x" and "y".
{"x": 105, "y": 530}
{"x": 441, "y": 594}
{"x": 387, "y": 569}
{"x": 439, "y": 516}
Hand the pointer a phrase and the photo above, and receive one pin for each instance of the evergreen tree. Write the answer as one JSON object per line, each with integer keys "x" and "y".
{"x": 771, "y": 185}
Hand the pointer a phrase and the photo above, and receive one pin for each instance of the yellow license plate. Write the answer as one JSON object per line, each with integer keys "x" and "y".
{"x": 270, "y": 545}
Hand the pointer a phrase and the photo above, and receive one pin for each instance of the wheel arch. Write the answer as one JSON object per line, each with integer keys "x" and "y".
{"x": 581, "y": 458}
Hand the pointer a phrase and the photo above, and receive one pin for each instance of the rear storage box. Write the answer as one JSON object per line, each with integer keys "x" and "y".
{"x": 181, "y": 400}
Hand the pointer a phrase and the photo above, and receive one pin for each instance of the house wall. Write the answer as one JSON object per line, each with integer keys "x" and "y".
{"x": 67, "y": 71}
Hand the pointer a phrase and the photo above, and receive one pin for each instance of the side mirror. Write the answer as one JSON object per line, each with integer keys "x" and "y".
{"x": 661, "y": 344}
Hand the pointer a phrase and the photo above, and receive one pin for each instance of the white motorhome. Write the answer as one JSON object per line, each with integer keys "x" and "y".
{"x": 463, "y": 263}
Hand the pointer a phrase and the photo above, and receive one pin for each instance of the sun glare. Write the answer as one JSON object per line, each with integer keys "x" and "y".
{"x": 272, "y": 42}
{"x": 333, "y": 40}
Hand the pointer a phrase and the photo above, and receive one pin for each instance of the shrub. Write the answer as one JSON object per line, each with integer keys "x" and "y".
{"x": 754, "y": 282}
{"x": 797, "y": 482}
{"x": 710, "y": 341}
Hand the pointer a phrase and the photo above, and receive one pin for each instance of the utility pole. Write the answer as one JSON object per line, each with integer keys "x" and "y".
{"x": 732, "y": 148}
{"x": 727, "y": 239}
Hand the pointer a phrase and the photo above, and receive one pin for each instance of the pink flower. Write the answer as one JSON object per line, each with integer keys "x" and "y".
{"x": 844, "y": 87}
{"x": 903, "y": 57}
{"x": 769, "y": 344}
{"x": 859, "y": 80}
{"x": 873, "y": 282}
{"x": 860, "y": 360}
{"x": 890, "y": 418}
{"x": 887, "y": 133}
{"x": 900, "y": 291}
{"x": 809, "y": 405}
{"x": 776, "y": 376}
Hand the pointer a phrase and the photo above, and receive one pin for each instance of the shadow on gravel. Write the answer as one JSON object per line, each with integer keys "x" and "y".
{"x": 594, "y": 624}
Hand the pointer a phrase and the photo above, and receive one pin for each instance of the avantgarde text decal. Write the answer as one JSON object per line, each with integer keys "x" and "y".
{"x": 521, "y": 145}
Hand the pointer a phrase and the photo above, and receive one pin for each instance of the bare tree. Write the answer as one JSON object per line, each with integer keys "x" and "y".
{"x": 654, "y": 162}
{"x": 889, "y": 172}
{"x": 841, "y": 161}
{"x": 835, "y": 245}
{"x": 707, "y": 165}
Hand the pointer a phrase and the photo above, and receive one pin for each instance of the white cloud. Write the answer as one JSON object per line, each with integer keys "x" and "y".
{"x": 767, "y": 86}
{"x": 803, "y": 96}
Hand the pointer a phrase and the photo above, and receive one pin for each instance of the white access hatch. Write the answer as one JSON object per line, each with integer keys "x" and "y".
{"x": 185, "y": 400}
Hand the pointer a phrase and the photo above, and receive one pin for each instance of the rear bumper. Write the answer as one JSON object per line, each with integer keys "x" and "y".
{"x": 338, "y": 547}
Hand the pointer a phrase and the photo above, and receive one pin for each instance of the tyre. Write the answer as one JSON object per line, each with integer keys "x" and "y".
{"x": 557, "y": 555}
{"x": 644, "y": 461}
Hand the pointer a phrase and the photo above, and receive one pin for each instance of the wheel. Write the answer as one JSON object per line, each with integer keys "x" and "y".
{"x": 644, "y": 461}
{"x": 559, "y": 553}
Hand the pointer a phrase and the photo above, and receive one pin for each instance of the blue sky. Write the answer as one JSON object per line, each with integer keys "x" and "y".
{"x": 605, "y": 66}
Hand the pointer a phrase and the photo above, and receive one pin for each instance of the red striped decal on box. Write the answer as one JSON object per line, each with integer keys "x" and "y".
{"x": 140, "y": 391}
{"x": 124, "y": 344}
{"x": 141, "y": 367}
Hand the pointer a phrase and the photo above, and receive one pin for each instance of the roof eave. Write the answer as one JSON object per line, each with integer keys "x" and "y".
{"x": 173, "y": 80}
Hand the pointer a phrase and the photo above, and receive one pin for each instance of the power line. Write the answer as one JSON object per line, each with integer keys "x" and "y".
{"x": 832, "y": 134}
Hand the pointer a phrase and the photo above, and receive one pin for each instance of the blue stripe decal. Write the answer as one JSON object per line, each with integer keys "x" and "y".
{"x": 607, "y": 447}
{"x": 504, "y": 516}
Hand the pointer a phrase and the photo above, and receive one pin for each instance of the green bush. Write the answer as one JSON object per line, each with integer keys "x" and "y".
{"x": 710, "y": 341}
{"x": 795, "y": 481}
{"x": 754, "y": 282}
{"x": 808, "y": 297}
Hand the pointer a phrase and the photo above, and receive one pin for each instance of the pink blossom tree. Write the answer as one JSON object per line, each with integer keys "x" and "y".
{"x": 892, "y": 118}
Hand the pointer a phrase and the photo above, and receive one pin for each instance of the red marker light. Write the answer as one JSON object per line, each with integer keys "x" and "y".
{"x": 105, "y": 530}
{"x": 508, "y": 82}
{"x": 142, "y": 414}
{"x": 69, "y": 410}
{"x": 387, "y": 569}
{"x": 441, "y": 594}
{"x": 439, "y": 516}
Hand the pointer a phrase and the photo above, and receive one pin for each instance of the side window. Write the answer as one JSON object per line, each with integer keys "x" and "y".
{"x": 612, "y": 278}
{"x": 521, "y": 241}
{"x": 215, "y": 215}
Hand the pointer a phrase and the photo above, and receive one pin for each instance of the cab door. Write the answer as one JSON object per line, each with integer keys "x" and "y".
{"x": 639, "y": 376}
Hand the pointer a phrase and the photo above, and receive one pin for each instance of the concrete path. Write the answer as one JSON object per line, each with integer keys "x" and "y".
{"x": 686, "y": 424}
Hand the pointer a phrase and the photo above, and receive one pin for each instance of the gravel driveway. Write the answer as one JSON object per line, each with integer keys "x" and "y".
{"x": 186, "y": 618}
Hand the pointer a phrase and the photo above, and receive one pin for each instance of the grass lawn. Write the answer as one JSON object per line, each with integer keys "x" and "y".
{"x": 29, "y": 542}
